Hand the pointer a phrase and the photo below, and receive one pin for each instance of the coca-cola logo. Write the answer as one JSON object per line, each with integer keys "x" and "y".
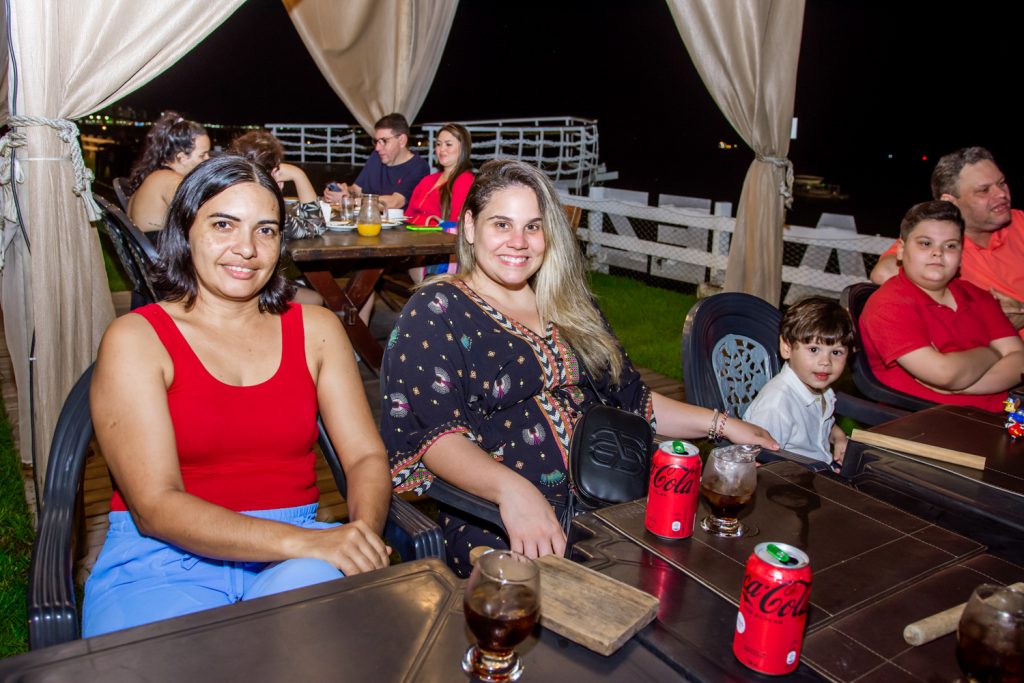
{"x": 674, "y": 478}
{"x": 787, "y": 599}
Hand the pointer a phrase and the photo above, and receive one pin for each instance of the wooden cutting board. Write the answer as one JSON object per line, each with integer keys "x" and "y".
{"x": 587, "y": 607}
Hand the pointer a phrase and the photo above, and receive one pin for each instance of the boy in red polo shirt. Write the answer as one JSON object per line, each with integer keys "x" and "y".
{"x": 929, "y": 333}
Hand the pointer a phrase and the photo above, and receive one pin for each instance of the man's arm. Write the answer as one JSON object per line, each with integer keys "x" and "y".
{"x": 886, "y": 267}
{"x": 396, "y": 200}
{"x": 1013, "y": 309}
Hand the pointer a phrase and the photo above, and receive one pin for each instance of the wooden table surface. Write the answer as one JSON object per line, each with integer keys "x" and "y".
{"x": 390, "y": 244}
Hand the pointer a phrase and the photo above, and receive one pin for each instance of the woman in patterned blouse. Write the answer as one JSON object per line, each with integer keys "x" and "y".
{"x": 484, "y": 371}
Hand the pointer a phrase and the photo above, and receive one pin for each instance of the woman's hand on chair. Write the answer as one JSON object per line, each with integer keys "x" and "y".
{"x": 530, "y": 521}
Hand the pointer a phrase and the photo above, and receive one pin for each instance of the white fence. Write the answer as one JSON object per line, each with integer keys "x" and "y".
{"x": 566, "y": 148}
{"x": 692, "y": 245}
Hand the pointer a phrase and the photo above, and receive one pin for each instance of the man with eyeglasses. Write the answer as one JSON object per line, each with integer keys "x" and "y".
{"x": 392, "y": 171}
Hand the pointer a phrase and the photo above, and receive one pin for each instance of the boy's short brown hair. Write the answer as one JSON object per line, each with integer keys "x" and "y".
{"x": 936, "y": 210}
{"x": 816, "y": 320}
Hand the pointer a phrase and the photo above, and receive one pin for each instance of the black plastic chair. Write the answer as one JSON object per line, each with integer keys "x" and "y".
{"x": 729, "y": 350}
{"x": 52, "y": 615}
{"x": 120, "y": 185}
{"x": 853, "y": 299}
{"x": 134, "y": 250}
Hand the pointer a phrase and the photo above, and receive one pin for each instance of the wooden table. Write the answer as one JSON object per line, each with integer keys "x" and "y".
{"x": 985, "y": 504}
{"x": 875, "y": 569}
{"x": 402, "y": 623}
{"x": 322, "y": 259}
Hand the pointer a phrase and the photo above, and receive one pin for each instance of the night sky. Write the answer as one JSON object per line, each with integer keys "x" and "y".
{"x": 871, "y": 83}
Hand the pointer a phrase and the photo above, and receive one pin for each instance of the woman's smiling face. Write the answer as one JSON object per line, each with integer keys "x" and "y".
{"x": 235, "y": 242}
{"x": 508, "y": 237}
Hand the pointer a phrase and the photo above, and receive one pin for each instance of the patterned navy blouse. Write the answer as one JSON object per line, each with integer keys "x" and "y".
{"x": 455, "y": 365}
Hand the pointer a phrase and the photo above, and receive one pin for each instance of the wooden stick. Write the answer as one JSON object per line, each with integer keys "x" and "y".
{"x": 915, "y": 448}
{"x": 937, "y": 625}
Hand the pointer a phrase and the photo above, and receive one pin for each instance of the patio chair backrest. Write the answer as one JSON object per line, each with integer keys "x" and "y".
{"x": 729, "y": 350}
{"x": 853, "y": 299}
{"x": 52, "y": 617}
{"x": 120, "y": 187}
{"x": 133, "y": 249}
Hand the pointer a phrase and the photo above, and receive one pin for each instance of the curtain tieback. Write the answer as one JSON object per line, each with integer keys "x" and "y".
{"x": 67, "y": 131}
{"x": 786, "y": 186}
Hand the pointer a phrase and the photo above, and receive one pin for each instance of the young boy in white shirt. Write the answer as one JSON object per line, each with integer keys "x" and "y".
{"x": 796, "y": 406}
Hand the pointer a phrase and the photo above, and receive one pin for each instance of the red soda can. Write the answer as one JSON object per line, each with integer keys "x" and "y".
{"x": 773, "y": 609}
{"x": 674, "y": 490}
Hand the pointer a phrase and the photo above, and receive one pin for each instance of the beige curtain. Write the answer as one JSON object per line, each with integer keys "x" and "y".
{"x": 746, "y": 52}
{"x": 379, "y": 56}
{"x": 73, "y": 57}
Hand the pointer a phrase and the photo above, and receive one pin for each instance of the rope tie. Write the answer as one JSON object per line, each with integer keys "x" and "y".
{"x": 67, "y": 131}
{"x": 786, "y": 186}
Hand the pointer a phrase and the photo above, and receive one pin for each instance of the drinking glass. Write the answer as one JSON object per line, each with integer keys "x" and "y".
{"x": 990, "y": 636}
{"x": 368, "y": 222}
{"x": 502, "y": 603}
{"x": 728, "y": 485}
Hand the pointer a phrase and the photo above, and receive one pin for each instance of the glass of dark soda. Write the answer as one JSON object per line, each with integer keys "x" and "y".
{"x": 502, "y": 604}
{"x": 990, "y": 636}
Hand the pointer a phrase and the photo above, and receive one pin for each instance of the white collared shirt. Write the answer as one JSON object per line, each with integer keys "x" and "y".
{"x": 793, "y": 414}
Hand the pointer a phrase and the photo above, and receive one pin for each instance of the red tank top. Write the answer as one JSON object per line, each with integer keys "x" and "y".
{"x": 243, "y": 448}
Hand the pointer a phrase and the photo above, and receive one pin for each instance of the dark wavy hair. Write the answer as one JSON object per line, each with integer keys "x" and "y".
{"x": 463, "y": 164}
{"x": 174, "y": 274}
{"x": 170, "y": 134}
{"x": 259, "y": 146}
{"x": 817, "y": 320}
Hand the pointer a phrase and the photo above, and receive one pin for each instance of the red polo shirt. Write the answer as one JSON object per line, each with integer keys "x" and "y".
{"x": 900, "y": 318}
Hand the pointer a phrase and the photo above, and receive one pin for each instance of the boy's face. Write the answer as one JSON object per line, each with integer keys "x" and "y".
{"x": 931, "y": 254}
{"x": 816, "y": 365}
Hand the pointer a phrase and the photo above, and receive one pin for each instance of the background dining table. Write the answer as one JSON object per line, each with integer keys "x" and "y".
{"x": 364, "y": 259}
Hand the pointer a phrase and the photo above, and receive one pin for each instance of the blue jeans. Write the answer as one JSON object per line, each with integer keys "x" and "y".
{"x": 138, "y": 579}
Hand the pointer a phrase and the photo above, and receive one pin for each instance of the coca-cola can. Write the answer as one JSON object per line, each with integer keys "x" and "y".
{"x": 773, "y": 609}
{"x": 674, "y": 490}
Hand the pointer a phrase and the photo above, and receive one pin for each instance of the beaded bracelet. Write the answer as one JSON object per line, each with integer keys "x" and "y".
{"x": 714, "y": 422}
{"x": 720, "y": 431}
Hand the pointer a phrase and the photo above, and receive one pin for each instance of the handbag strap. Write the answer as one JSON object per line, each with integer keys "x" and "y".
{"x": 590, "y": 381}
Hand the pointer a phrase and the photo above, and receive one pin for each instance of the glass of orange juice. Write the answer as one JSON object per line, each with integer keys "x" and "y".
{"x": 368, "y": 221}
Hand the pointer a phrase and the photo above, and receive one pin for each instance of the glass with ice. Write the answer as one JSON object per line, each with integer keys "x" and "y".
{"x": 502, "y": 605}
{"x": 728, "y": 485}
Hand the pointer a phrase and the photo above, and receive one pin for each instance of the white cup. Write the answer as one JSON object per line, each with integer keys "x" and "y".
{"x": 395, "y": 214}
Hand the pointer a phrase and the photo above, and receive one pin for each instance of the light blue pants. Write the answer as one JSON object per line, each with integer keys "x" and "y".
{"x": 138, "y": 579}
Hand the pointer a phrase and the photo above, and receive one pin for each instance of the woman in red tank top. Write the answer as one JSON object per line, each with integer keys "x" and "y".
{"x": 205, "y": 409}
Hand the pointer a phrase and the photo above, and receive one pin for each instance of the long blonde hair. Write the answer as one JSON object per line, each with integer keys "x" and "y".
{"x": 560, "y": 284}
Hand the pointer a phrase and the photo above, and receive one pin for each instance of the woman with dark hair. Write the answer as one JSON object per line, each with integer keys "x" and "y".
{"x": 205, "y": 407}
{"x": 439, "y": 197}
{"x": 487, "y": 372}
{"x": 174, "y": 146}
{"x": 304, "y": 219}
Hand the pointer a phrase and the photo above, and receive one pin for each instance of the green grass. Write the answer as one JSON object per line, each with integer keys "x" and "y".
{"x": 648, "y": 320}
{"x": 16, "y": 535}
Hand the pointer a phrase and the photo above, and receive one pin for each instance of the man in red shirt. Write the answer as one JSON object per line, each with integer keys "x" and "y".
{"x": 993, "y": 253}
{"x": 930, "y": 334}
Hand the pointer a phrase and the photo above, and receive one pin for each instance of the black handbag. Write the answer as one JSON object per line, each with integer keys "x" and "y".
{"x": 609, "y": 458}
